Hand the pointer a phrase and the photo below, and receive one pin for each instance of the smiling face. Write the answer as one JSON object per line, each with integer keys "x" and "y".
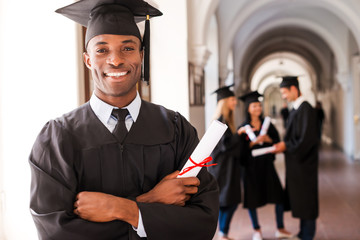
{"x": 115, "y": 64}
{"x": 290, "y": 94}
{"x": 255, "y": 109}
{"x": 231, "y": 103}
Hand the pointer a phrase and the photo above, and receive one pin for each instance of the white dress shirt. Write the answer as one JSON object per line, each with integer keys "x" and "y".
{"x": 298, "y": 102}
{"x": 103, "y": 111}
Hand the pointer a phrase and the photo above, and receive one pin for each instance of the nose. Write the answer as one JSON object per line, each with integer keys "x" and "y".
{"x": 115, "y": 59}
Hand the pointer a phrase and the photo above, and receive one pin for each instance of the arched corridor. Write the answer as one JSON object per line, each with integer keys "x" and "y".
{"x": 258, "y": 41}
{"x": 339, "y": 182}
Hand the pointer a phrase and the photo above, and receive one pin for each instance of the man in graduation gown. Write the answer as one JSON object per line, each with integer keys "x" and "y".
{"x": 300, "y": 146}
{"x": 107, "y": 170}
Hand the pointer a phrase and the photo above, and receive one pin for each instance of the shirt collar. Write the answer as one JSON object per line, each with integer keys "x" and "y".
{"x": 298, "y": 102}
{"x": 103, "y": 110}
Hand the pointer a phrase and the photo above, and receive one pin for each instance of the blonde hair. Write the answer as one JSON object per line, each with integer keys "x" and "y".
{"x": 223, "y": 110}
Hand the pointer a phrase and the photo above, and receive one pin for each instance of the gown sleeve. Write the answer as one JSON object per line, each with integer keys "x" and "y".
{"x": 54, "y": 187}
{"x": 244, "y": 150}
{"x": 303, "y": 132}
{"x": 198, "y": 218}
{"x": 230, "y": 143}
{"x": 273, "y": 134}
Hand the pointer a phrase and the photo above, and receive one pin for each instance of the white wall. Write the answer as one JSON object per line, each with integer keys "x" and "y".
{"x": 2, "y": 235}
{"x": 197, "y": 119}
{"x": 356, "y": 101}
{"x": 211, "y": 72}
{"x": 38, "y": 81}
{"x": 169, "y": 60}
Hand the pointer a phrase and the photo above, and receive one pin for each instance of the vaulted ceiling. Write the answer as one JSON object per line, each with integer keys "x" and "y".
{"x": 323, "y": 33}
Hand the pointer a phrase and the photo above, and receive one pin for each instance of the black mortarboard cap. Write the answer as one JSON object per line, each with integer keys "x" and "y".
{"x": 117, "y": 17}
{"x": 250, "y": 97}
{"x": 288, "y": 81}
{"x": 224, "y": 92}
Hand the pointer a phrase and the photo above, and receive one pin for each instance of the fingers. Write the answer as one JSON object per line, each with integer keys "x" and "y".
{"x": 172, "y": 175}
{"x": 186, "y": 198}
{"x": 191, "y": 190}
{"x": 241, "y": 131}
{"x": 77, "y": 202}
{"x": 183, "y": 201}
{"x": 76, "y": 211}
{"x": 261, "y": 138}
{"x": 190, "y": 181}
{"x": 278, "y": 148}
{"x": 191, "y": 186}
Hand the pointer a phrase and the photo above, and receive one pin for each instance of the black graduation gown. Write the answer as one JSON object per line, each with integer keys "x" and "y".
{"x": 284, "y": 112}
{"x": 227, "y": 171}
{"x": 261, "y": 181}
{"x": 301, "y": 158}
{"x": 77, "y": 153}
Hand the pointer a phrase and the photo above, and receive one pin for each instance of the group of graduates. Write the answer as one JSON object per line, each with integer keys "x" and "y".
{"x": 260, "y": 181}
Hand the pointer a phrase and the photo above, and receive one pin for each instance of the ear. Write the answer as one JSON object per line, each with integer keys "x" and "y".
{"x": 293, "y": 88}
{"x": 142, "y": 54}
{"x": 87, "y": 60}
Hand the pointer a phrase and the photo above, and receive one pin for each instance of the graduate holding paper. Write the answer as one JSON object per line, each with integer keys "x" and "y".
{"x": 108, "y": 169}
{"x": 261, "y": 182}
{"x": 225, "y": 154}
{"x": 301, "y": 149}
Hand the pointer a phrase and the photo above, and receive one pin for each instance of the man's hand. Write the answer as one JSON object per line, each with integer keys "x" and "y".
{"x": 279, "y": 147}
{"x": 171, "y": 190}
{"x": 101, "y": 207}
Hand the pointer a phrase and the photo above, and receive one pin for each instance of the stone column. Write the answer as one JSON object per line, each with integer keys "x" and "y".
{"x": 344, "y": 120}
{"x": 224, "y": 72}
{"x": 198, "y": 57}
{"x": 356, "y": 105}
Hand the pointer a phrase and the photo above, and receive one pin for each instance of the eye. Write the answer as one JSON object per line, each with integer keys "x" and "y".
{"x": 129, "y": 49}
{"x": 101, "y": 50}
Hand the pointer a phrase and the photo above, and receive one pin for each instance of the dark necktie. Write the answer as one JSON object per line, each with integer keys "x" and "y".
{"x": 120, "y": 130}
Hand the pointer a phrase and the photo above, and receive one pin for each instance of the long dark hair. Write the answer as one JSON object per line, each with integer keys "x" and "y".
{"x": 247, "y": 114}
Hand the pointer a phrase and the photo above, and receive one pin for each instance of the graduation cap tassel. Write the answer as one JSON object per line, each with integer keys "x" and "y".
{"x": 147, "y": 50}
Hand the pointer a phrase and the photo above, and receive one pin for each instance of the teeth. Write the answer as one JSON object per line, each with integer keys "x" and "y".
{"x": 116, "y": 74}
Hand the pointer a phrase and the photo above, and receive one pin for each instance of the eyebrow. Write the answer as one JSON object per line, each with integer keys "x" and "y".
{"x": 100, "y": 43}
{"x": 125, "y": 41}
{"x": 129, "y": 41}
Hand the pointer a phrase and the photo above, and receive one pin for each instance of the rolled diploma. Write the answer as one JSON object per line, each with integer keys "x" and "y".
{"x": 250, "y": 133}
{"x": 205, "y": 147}
{"x": 262, "y": 151}
{"x": 265, "y": 126}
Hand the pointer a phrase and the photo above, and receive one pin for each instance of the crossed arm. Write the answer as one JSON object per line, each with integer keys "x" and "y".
{"x": 101, "y": 207}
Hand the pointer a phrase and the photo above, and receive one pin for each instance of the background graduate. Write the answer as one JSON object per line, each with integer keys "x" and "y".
{"x": 226, "y": 155}
{"x": 261, "y": 181}
{"x": 107, "y": 170}
{"x": 300, "y": 146}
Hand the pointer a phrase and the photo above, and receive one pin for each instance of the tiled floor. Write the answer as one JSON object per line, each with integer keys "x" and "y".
{"x": 339, "y": 189}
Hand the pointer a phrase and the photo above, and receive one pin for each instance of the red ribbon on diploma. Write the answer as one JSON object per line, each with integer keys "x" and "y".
{"x": 201, "y": 164}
